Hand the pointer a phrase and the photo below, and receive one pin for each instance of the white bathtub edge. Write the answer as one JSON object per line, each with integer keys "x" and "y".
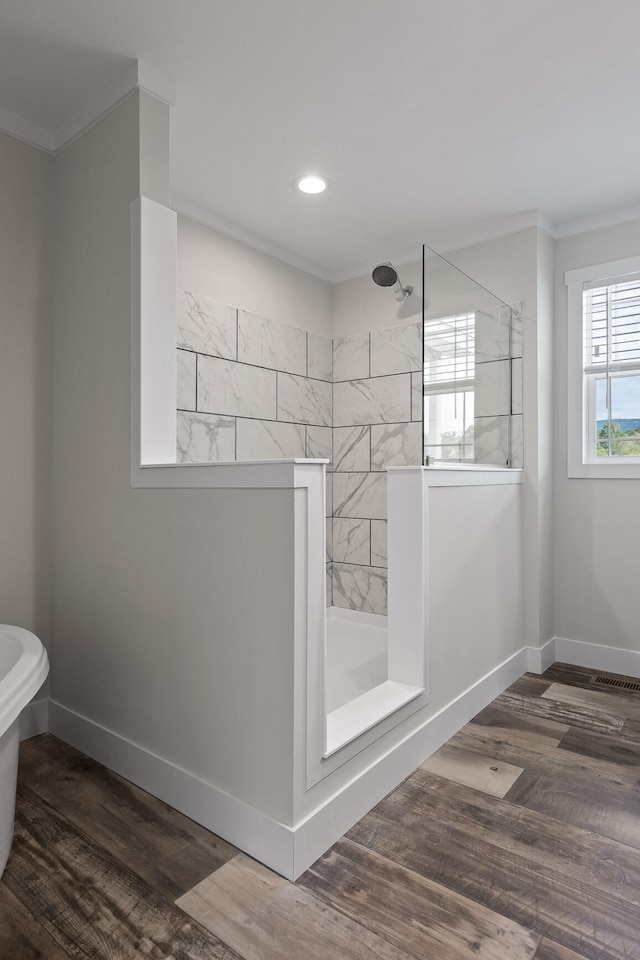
{"x": 25, "y": 677}
{"x": 34, "y": 719}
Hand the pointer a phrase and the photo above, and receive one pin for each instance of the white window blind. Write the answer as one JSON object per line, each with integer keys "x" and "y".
{"x": 611, "y": 366}
{"x": 603, "y": 370}
{"x": 449, "y": 353}
{"x": 449, "y": 371}
{"x": 612, "y": 325}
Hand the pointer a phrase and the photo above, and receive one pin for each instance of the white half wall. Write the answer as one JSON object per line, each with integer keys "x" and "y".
{"x": 475, "y": 624}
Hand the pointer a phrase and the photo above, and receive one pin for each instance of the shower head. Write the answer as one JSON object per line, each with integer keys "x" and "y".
{"x": 386, "y": 275}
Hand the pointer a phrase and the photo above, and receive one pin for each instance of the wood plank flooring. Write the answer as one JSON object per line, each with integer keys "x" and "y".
{"x": 518, "y": 840}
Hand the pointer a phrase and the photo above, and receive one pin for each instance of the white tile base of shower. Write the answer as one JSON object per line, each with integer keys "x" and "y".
{"x": 359, "y": 692}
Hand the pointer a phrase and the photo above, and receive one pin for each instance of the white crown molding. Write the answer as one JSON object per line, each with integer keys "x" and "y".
{"x": 195, "y": 211}
{"x": 446, "y": 243}
{"x": 153, "y": 82}
{"x": 490, "y": 230}
{"x": 493, "y": 229}
{"x": 138, "y": 75}
{"x": 25, "y": 130}
{"x": 611, "y": 218}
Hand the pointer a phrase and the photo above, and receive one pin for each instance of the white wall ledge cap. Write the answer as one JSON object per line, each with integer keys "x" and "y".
{"x": 228, "y": 474}
{"x": 463, "y": 474}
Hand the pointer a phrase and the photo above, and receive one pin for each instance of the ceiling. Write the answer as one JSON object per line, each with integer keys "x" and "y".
{"x": 436, "y": 120}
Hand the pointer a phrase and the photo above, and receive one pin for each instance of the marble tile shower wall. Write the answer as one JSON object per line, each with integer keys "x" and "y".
{"x": 249, "y": 388}
{"x": 377, "y": 423}
{"x": 252, "y": 388}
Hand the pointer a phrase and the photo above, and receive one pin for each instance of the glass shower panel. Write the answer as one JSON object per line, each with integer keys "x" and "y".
{"x": 472, "y": 372}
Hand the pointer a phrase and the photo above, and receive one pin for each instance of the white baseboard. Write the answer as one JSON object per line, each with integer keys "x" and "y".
{"x": 540, "y": 658}
{"x": 287, "y": 850}
{"x": 252, "y": 831}
{"x": 34, "y": 719}
{"x": 330, "y": 821}
{"x": 290, "y": 850}
{"x": 596, "y": 656}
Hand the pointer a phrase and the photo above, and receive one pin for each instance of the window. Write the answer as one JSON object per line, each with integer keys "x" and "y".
{"x": 604, "y": 370}
{"x": 449, "y": 371}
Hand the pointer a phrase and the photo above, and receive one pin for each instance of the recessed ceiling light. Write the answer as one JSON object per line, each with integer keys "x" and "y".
{"x": 312, "y": 184}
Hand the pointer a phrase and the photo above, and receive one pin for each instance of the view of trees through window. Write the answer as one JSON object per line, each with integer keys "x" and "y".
{"x": 612, "y": 367}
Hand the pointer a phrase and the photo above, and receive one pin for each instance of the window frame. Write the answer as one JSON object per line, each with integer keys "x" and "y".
{"x": 580, "y": 387}
{"x": 446, "y": 388}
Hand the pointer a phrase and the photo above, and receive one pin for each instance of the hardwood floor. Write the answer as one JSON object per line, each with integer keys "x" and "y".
{"x": 518, "y": 840}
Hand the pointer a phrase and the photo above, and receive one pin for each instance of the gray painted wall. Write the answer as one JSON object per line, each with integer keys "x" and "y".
{"x": 597, "y": 522}
{"x": 25, "y": 384}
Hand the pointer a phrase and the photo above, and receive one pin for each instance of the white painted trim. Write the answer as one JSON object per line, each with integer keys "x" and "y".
{"x": 34, "y": 719}
{"x": 137, "y": 74}
{"x": 153, "y": 334}
{"x": 597, "y": 656}
{"x": 155, "y": 83}
{"x": 577, "y": 468}
{"x": 255, "y": 832}
{"x": 610, "y": 218}
{"x": 540, "y": 659}
{"x": 189, "y": 207}
{"x": 317, "y": 832}
{"x": 601, "y": 271}
{"x": 361, "y": 714}
{"x": 334, "y": 738}
{"x": 237, "y": 474}
{"x": 490, "y": 229}
{"x": 288, "y": 850}
{"x": 32, "y": 133}
{"x": 463, "y": 474}
{"x": 408, "y": 550}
